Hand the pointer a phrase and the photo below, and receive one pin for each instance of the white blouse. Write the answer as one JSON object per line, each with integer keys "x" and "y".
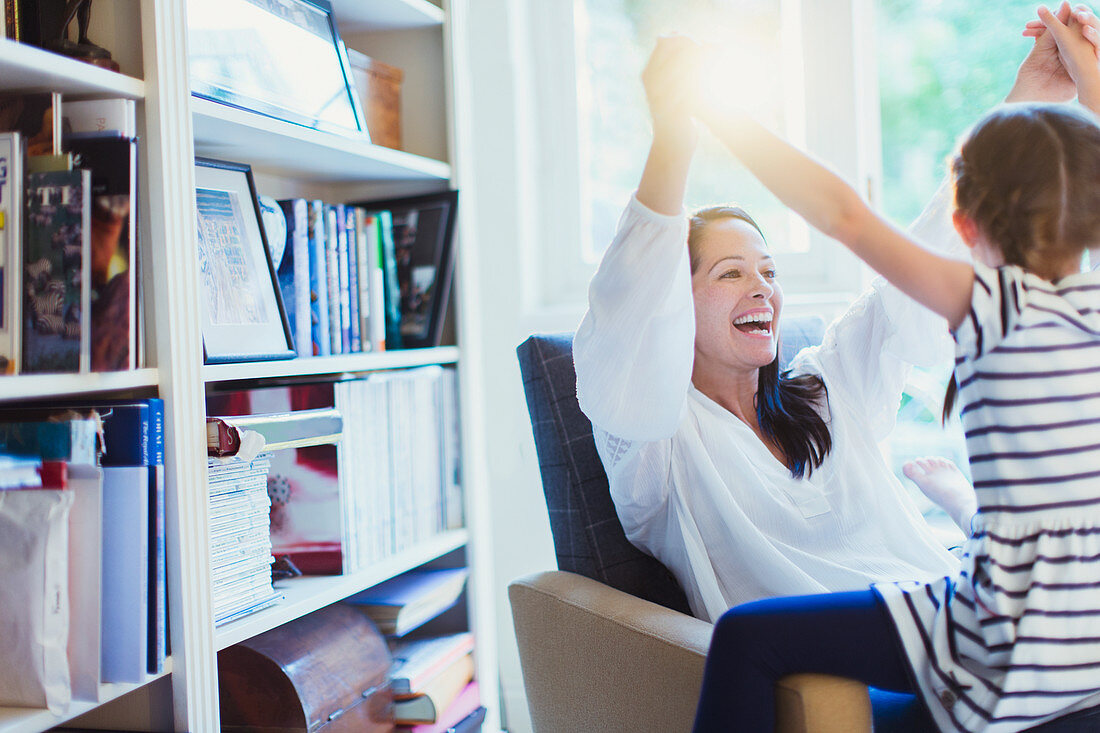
{"x": 693, "y": 485}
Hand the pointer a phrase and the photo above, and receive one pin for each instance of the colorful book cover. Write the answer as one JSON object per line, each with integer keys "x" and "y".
{"x": 303, "y": 483}
{"x": 56, "y": 272}
{"x": 351, "y": 235}
{"x": 11, "y": 234}
{"x": 391, "y": 288}
{"x": 113, "y": 163}
{"x": 293, "y": 273}
{"x": 318, "y": 280}
{"x": 377, "y": 284}
{"x": 364, "y": 235}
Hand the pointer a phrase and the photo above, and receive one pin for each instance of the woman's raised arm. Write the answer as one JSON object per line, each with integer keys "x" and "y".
{"x": 634, "y": 349}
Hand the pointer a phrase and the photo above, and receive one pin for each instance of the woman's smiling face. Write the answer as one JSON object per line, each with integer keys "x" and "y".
{"x": 737, "y": 298}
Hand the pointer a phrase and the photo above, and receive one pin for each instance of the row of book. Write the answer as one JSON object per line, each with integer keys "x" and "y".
{"x": 240, "y": 537}
{"x": 432, "y": 676}
{"x": 68, "y": 235}
{"x": 389, "y": 483}
{"x": 89, "y": 606}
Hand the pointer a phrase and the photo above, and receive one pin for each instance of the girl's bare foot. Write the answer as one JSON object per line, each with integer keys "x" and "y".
{"x": 942, "y": 482}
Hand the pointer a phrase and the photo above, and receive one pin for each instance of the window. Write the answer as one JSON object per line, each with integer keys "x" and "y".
{"x": 763, "y": 44}
{"x": 941, "y": 65}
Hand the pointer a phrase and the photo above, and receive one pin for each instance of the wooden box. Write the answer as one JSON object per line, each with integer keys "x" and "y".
{"x": 327, "y": 672}
{"x": 379, "y": 87}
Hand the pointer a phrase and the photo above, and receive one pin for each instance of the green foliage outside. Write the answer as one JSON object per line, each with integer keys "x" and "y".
{"x": 941, "y": 64}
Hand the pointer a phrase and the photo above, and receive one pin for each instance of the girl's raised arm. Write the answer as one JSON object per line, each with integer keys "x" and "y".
{"x": 832, "y": 206}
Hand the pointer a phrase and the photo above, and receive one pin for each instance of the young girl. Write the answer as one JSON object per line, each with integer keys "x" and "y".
{"x": 1013, "y": 639}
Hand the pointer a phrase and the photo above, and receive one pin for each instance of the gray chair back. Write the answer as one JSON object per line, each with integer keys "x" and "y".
{"x": 588, "y": 538}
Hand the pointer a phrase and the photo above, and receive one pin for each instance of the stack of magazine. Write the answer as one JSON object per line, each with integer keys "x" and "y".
{"x": 240, "y": 536}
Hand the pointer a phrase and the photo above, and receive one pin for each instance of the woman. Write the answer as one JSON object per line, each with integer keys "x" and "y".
{"x": 744, "y": 484}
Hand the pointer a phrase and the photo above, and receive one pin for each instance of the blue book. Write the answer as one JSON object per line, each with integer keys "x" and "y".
{"x": 344, "y": 280}
{"x": 332, "y": 265}
{"x": 401, "y": 604}
{"x": 351, "y": 237}
{"x": 71, "y": 441}
{"x": 293, "y": 274}
{"x": 318, "y": 280}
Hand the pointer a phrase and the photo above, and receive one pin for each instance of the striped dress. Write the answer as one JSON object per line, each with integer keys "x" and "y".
{"x": 1013, "y": 639}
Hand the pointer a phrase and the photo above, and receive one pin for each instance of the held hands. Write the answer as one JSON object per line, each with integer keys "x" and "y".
{"x": 671, "y": 81}
{"x": 1077, "y": 40}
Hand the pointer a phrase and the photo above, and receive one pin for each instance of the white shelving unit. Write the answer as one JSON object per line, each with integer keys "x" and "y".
{"x": 294, "y": 159}
{"x": 344, "y": 364}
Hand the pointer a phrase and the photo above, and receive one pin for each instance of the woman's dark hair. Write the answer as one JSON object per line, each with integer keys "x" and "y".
{"x": 786, "y": 406}
{"x": 1029, "y": 177}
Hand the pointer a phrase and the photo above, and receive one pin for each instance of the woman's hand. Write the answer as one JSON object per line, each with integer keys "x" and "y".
{"x": 1041, "y": 77}
{"x": 671, "y": 80}
{"x": 1078, "y": 41}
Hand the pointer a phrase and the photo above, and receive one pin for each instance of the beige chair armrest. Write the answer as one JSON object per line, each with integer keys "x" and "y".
{"x": 597, "y": 659}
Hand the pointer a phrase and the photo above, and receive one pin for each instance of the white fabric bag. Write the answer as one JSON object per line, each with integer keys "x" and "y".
{"x": 34, "y": 598}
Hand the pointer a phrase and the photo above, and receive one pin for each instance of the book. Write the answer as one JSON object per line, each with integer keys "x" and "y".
{"x": 318, "y": 280}
{"x": 465, "y": 715}
{"x": 37, "y": 116}
{"x": 416, "y": 661}
{"x": 332, "y": 265}
{"x": 280, "y": 430}
{"x": 401, "y": 604}
{"x": 111, "y": 117}
{"x": 11, "y": 245}
{"x": 125, "y": 602}
{"x": 428, "y": 704}
{"x": 71, "y": 441}
{"x": 364, "y": 235}
{"x": 56, "y": 272}
{"x": 293, "y": 274}
{"x": 376, "y": 282}
{"x": 85, "y": 579}
{"x": 113, "y": 241}
{"x": 344, "y": 278}
{"x": 351, "y": 237}
{"x": 391, "y": 288}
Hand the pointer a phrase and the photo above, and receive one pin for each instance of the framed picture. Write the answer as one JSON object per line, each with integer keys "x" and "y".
{"x": 242, "y": 312}
{"x": 423, "y": 233}
{"x": 281, "y": 58}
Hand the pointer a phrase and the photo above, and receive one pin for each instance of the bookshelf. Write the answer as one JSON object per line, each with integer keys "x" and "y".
{"x": 288, "y": 160}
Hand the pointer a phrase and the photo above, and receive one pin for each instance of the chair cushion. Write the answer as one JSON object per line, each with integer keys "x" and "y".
{"x": 588, "y": 538}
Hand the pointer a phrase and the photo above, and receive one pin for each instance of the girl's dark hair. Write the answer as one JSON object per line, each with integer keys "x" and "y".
{"x": 786, "y": 406}
{"x": 1029, "y": 177}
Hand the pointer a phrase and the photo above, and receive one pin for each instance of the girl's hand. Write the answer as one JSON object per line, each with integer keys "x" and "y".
{"x": 1077, "y": 51}
{"x": 1041, "y": 76}
{"x": 671, "y": 81}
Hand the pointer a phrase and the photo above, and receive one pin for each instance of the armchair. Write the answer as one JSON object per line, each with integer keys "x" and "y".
{"x": 607, "y": 642}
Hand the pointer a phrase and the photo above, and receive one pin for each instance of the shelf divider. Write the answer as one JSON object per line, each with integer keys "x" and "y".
{"x": 284, "y": 148}
{"x": 35, "y": 386}
{"x": 32, "y": 720}
{"x": 25, "y": 68}
{"x": 343, "y": 364}
{"x": 310, "y": 593}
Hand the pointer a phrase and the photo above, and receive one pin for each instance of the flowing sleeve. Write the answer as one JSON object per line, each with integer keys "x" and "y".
{"x": 634, "y": 348}
{"x": 865, "y": 355}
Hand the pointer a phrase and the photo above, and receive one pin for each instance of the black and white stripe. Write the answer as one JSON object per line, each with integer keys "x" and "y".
{"x": 1014, "y": 639}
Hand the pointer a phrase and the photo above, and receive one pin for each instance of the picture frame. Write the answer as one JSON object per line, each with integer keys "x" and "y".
{"x": 423, "y": 243}
{"x": 242, "y": 313}
{"x": 238, "y": 57}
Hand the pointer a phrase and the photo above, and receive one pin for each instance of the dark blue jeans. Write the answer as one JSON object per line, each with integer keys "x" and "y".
{"x": 843, "y": 634}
